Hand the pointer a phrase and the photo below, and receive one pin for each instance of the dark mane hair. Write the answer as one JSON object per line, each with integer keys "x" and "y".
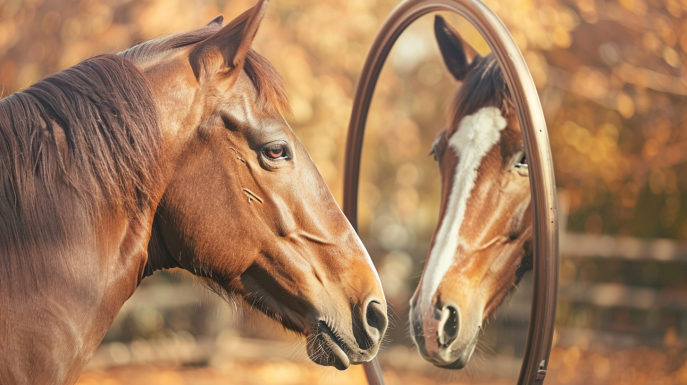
{"x": 85, "y": 138}
{"x": 483, "y": 86}
{"x": 71, "y": 144}
{"x": 265, "y": 78}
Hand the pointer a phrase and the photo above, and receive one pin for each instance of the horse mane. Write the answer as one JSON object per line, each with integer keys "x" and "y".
{"x": 84, "y": 139}
{"x": 483, "y": 86}
{"x": 269, "y": 85}
{"x": 73, "y": 144}
{"x": 104, "y": 110}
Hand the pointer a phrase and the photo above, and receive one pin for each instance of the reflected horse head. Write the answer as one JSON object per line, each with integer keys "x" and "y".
{"x": 173, "y": 153}
{"x": 481, "y": 246}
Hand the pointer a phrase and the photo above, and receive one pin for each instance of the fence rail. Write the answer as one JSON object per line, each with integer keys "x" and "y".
{"x": 606, "y": 246}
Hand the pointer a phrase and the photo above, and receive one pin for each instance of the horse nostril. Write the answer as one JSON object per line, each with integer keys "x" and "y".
{"x": 375, "y": 323}
{"x": 373, "y": 317}
{"x": 449, "y": 325}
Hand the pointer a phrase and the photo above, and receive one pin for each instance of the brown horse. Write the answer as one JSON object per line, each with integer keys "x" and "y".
{"x": 172, "y": 153}
{"x": 481, "y": 246}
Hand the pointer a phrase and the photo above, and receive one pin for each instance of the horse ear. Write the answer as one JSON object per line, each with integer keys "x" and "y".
{"x": 215, "y": 22}
{"x": 227, "y": 48}
{"x": 457, "y": 53}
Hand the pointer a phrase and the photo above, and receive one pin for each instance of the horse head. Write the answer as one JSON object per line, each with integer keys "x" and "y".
{"x": 481, "y": 246}
{"x": 244, "y": 206}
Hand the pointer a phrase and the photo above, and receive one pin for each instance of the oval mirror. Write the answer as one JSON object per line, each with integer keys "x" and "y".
{"x": 480, "y": 150}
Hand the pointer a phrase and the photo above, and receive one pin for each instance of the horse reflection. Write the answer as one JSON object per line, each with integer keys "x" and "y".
{"x": 481, "y": 246}
{"x": 170, "y": 154}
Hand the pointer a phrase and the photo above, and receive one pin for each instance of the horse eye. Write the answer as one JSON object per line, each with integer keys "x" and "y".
{"x": 274, "y": 151}
{"x": 523, "y": 161}
{"x": 433, "y": 153}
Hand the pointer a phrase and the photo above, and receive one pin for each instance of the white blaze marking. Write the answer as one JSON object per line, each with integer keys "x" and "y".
{"x": 476, "y": 135}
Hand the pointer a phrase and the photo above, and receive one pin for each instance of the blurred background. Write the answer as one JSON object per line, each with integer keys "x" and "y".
{"x": 612, "y": 83}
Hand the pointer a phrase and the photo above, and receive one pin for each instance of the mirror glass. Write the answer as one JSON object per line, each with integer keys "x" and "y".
{"x": 445, "y": 207}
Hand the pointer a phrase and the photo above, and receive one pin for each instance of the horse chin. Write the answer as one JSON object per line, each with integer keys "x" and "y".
{"x": 326, "y": 348}
{"x": 464, "y": 358}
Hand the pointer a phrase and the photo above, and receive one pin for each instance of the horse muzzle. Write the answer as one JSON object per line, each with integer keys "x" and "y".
{"x": 440, "y": 337}
{"x": 330, "y": 345}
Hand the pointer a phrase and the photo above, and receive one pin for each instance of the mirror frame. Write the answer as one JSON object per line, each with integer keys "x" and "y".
{"x": 537, "y": 147}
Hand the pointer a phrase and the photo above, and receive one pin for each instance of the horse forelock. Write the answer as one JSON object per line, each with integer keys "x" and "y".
{"x": 483, "y": 86}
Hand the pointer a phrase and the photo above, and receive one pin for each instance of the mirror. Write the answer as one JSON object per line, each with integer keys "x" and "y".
{"x": 440, "y": 152}
{"x": 493, "y": 181}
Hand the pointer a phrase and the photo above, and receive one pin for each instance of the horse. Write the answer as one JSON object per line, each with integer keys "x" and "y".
{"x": 171, "y": 154}
{"x": 482, "y": 244}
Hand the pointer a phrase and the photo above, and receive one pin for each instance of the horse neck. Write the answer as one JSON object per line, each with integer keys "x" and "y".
{"x": 69, "y": 291}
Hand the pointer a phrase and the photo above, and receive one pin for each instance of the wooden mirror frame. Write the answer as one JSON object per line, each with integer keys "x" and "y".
{"x": 537, "y": 148}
